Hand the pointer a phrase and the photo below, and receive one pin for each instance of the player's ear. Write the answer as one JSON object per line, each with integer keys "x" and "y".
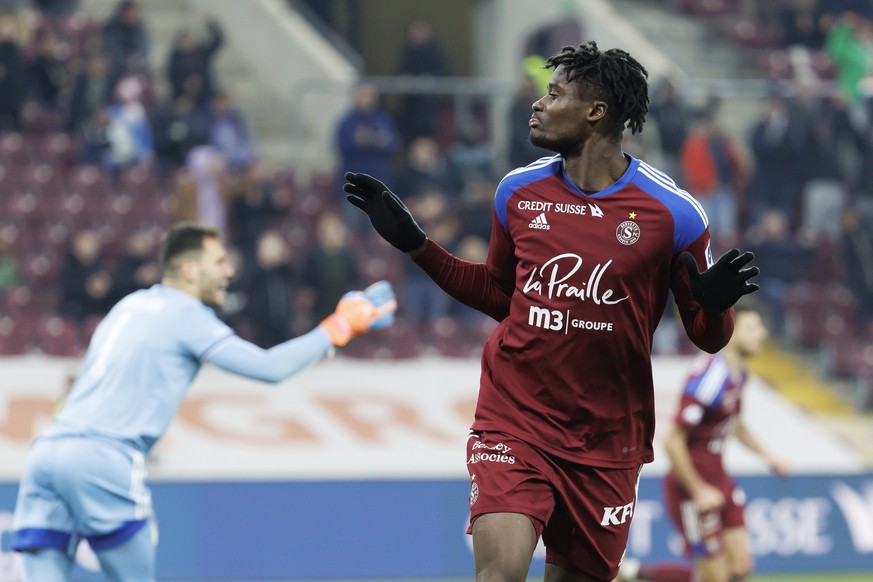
{"x": 597, "y": 111}
{"x": 188, "y": 269}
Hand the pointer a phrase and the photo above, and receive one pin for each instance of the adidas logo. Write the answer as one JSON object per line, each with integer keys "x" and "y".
{"x": 540, "y": 222}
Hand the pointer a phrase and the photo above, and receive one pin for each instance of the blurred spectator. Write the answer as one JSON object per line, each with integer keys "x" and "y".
{"x": 783, "y": 261}
{"x": 91, "y": 90}
{"x": 832, "y": 140}
{"x": 476, "y": 207}
{"x": 13, "y": 83}
{"x": 864, "y": 181}
{"x": 473, "y": 248}
{"x": 56, "y": 8}
{"x": 96, "y": 145}
{"x": 130, "y": 132}
{"x": 714, "y": 173}
{"x": 425, "y": 302}
{"x": 778, "y": 143}
{"x": 125, "y": 41}
{"x": 136, "y": 267}
{"x": 191, "y": 58}
{"x": 470, "y": 157}
{"x": 672, "y": 118}
{"x": 177, "y": 127}
{"x": 424, "y": 170}
{"x": 847, "y": 44}
{"x": 367, "y": 139}
{"x": 206, "y": 167}
{"x": 47, "y": 69}
{"x": 256, "y": 205}
{"x": 270, "y": 293}
{"x": 535, "y": 68}
{"x": 367, "y": 136}
{"x": 800, "y": 24}
{"x": 521, "y": 151}
{"x": 329, "y": 268}
{"x": 84, "y": 284}
{"x": 857, "y": 247}
{"x": 421, "y": 56}
{"x": 229, "y": 134}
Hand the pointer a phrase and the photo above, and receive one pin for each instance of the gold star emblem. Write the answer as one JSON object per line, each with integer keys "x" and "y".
{"x": 632, "y": 215}
{"x": 473, "y": 477}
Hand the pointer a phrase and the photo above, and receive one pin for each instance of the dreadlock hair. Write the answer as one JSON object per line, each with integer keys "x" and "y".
{"x": 613, "y": 76}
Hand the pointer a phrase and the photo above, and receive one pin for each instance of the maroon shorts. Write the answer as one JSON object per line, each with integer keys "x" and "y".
{"x": 702, "y": 532}
{"x": 582, "y": 513}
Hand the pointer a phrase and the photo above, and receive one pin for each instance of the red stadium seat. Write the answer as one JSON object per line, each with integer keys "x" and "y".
{"x": 88, "y": 327}
{"x": 40, "y": 267}
{"x": 15, "y": 335}
{"x": 14, "y": 150}
{"x": 57, "y": 336}
{"x": 58, "y": 149}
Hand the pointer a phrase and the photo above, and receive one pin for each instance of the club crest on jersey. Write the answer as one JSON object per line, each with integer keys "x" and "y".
{"x": 628, "y": 232}
{"x": 540, "y": 222}
{"x": 474, "y": 493}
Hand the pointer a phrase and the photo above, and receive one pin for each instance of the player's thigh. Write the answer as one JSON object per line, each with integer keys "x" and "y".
{"x": 701, "y": 532}
{"x": 104, "y": 483}
{"x": 43, "y": 518}
{"x": 510, "y": 500}
{"x": 555, "y": 573}
{"x": 503, "y": 546}
{"x": 508, "y": 476}
{"x": 588, "y": 531}
{"x": 132, "y": 560}
{"x": 46, "y": 564}
{"x": 735, "y": 541}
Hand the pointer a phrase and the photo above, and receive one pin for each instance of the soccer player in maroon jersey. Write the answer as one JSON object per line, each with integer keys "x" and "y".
{"x": 585, "y": 246}
{"x": 702, "y": 499}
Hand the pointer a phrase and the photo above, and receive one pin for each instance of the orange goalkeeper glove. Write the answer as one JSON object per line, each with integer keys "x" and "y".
{"x": 358, "y": 311}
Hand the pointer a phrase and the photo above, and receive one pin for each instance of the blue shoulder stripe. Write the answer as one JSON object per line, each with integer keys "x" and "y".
{"x": 708, "y": 387}
{"x": 520, "y": 177}
{"x": 689, "y": 219}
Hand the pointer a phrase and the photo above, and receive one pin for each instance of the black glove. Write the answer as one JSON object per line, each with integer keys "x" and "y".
{"x": 721, "y": 285}
{"x": 389, "y": 216}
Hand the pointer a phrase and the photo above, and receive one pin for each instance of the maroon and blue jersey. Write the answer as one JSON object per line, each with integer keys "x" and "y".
{"x": 708, "y": 412}
{"x": 579, "y": 282}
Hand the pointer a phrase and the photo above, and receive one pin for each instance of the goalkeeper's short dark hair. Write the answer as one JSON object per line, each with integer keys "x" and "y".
{"x": 612, "y": 76}
{"x": 183, "y": 239}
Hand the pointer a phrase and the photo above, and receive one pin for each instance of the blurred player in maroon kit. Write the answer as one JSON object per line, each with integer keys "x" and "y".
{"x": 585, "y": 246}
{"x": 702, "y": 499}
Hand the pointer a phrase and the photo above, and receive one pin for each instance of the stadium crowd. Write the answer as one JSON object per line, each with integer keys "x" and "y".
{"x": 99, "y": 153}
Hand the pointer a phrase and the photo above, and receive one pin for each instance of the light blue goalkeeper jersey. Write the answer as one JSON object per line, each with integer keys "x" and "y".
{"x": 144, "y": 356}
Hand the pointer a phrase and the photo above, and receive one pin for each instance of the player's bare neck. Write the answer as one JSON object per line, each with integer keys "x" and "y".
{"x": 599, "y": 165}
{"x": 735, "y": 361}
{"x": 180, "y": 285}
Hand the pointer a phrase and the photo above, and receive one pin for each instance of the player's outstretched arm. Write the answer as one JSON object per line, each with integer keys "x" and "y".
{"x": 357, "y": 312}
{"x": 705, "y": 496}
{"x": 776, "y": 464}
{"x": 387, "y": 213}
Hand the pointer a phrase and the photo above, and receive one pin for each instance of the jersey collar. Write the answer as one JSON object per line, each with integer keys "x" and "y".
{"x": 616, "y": 186}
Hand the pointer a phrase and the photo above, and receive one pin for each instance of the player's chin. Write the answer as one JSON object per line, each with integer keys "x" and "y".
{"x": 217, "y": 299}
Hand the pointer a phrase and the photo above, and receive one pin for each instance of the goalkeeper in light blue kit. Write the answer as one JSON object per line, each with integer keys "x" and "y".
{"x": 85, "y": 475}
